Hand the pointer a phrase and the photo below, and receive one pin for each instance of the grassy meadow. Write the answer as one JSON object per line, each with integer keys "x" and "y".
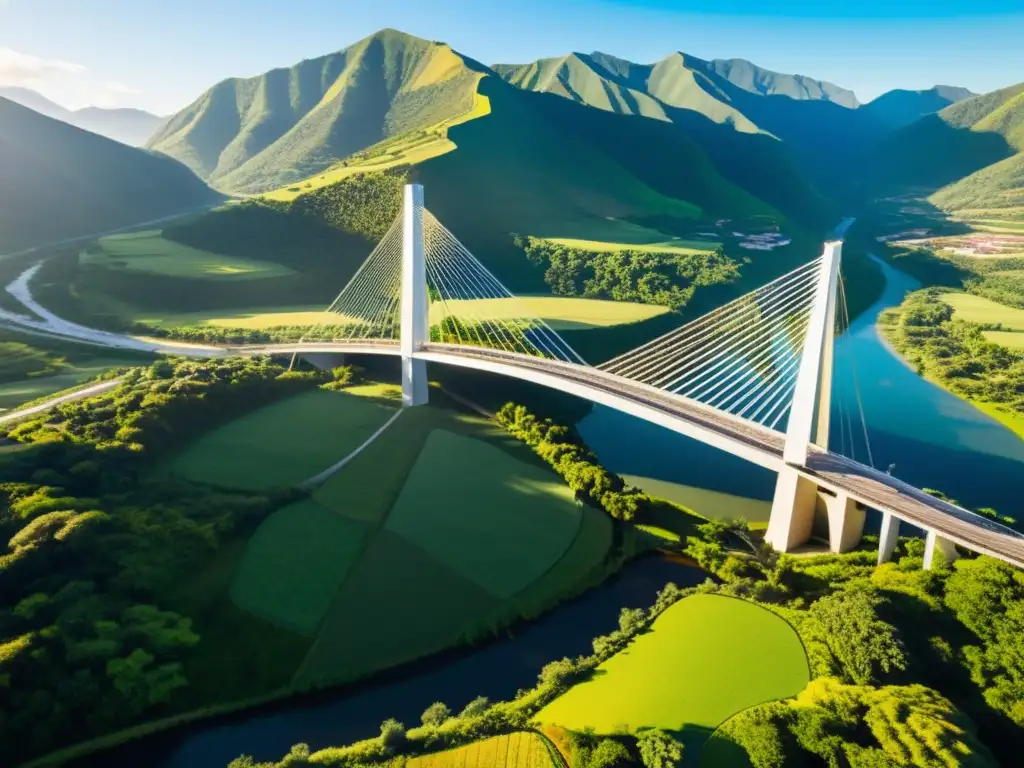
{"x": 150, "y": 252}
{"x": 674, "y": 246}
{"x": 978, "y": 309}
{"x": 525, "y": 521}
{"x": 284, "y": 443}
{"x": 696, "y": 667}
{"x": 560, "y": 312}
{"x": 294, "y": 564}
{"x": 444, "y": 523}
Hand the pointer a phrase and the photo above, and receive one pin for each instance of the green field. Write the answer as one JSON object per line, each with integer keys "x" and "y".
{"x": 560, "y": 312}
{"x": 16, "y": 393}
{"x": 1011, "y": 339}
{"x": 498, "y": 522}
{"x": 396, "y": 605}
{"x": 284, "y": 443}
{"x": 713, "y": 505}
{"x": 148, "y": 251}
{"x": 673, "y": 247}
{"x": 522, "y": 749}
{"x": 978, "y": 309}
{"x": 702, "y": 661}
{"x": 294, "y": 565}
{"x": 459, "y": 472}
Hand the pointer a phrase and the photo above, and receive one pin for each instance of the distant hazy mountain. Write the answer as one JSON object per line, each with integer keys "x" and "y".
{"x": 899, "y": 107}
{"x": 129, "y": 126}
{"x": 964, "y": 148}
{"x": 262, "y": 132}
{"x": 58, "y": 181}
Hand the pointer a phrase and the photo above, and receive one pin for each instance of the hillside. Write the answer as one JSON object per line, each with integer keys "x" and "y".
{"x": 254, "y": 134}
{"x": 128, "y": 126}
{"x": 900, "y": 107}
{"x": 969, "y": 149}
{"x": 58, "y": 181}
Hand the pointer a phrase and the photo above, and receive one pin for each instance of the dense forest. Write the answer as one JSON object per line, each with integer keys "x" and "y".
{"x": 627, "y": 274}
{"x": 95, "y": 543}
{"x": 954, "y": 351}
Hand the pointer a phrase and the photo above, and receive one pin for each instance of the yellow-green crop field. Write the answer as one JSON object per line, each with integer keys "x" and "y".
{"x": 148, "y": 251}
{"x": 978, "y": 309}
{"x": 560, "y": 312}
{"x": 514, "y": 750}
{"x": 672, "y": 247}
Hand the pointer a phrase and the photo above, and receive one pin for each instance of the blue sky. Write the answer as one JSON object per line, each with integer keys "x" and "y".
{"x": 161, "y": 54}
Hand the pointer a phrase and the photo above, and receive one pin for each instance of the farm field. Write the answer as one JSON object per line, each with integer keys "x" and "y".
{"x": 496, "y": 521}
{"x": 284, "y": 443}
{"x": 148, "y": 251}
{"x": 978, "y": 244}
{"x": 515, "y": 750}
{"x": 674, "y": 246}
{"x": 16, "y": 393}
{"x": 978, "y": 309}
{"x": 561, "y": 313}
{"x": 1011, "y": 339}
{"x": 693, "y": 669}
{"x": 442, "y": 586}
{"x": 294, "y": 565}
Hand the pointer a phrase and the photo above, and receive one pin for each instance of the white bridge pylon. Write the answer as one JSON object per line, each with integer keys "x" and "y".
{"x": 763, "y": 359}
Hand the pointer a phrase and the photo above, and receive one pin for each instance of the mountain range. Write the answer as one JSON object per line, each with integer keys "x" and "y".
{"x": 128, "y": 126}
{"x": 564, "y": 146}
{"x": 58, "y": 181}
{"x": 256, "y": 134}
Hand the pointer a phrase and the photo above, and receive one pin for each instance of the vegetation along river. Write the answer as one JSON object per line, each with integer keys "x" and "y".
{"x": 934, "y": 438}
{"x": 496, "y": 671}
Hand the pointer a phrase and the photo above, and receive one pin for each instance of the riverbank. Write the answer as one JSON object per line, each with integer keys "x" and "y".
{"x": 929, "y": 344}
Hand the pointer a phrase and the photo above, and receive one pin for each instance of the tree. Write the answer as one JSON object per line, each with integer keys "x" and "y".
{"x": 392, "y": 735}
{"x": 864, "y": 646}
{"x": 436, "y": 714}
{"x": 658, "y": 749}
{"x": 608, "y": 753}
{"x": 476, "y": 707}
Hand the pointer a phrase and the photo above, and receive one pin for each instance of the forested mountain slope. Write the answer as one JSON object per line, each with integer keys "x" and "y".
{"x": 970, "y": 149}
{"x": 58, "y": 181}
{"x": 129, "y": 126}
{"x": 262, "y": 132}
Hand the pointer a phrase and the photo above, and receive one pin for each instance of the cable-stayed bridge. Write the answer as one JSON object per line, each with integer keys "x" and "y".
{"x": 753, "y": 377}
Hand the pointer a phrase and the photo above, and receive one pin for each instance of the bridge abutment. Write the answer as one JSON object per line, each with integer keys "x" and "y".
{"x": 792, "y": 517}
{"x": 793, "y": 511}
{"x": 415, "y": 325}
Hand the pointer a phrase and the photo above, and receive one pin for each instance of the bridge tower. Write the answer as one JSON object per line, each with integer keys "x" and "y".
{"x": 796, "y": 497}
{"x": 415, "y": 325}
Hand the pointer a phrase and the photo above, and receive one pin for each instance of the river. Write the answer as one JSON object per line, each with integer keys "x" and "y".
{"x": 496, "y": 670}
{"x": 934, "y": 438}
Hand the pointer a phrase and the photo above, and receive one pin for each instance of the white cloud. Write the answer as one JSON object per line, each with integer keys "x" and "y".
{"x": 67, "y": 83}
{"x": 24, "y": 69}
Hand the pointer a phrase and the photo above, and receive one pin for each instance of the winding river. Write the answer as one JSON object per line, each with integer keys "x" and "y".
{"x": 496, "y": 670}
{"x": 934, "y": 438}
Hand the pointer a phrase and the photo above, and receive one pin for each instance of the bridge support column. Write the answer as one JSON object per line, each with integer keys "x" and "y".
{"x": 944, "y": 549}
{"x": 845, "y": 522}
{"x": 792, "y": 516}
{"x": 415, "y": 303}
{"x": 888, "y": 535}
